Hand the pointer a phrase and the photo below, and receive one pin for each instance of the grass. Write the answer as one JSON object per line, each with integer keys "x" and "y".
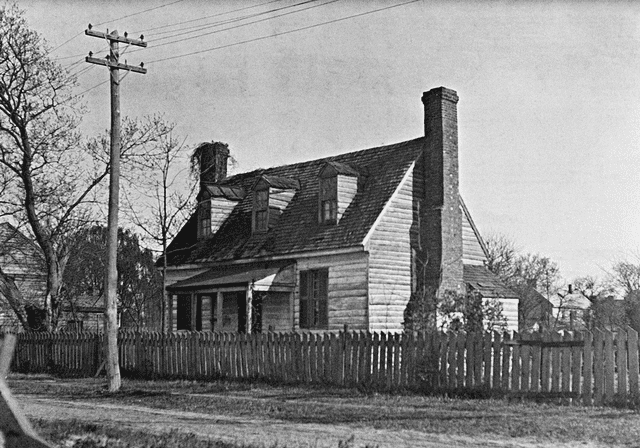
{"x": 546, "y": 423}
{"x": 82, "y": 435}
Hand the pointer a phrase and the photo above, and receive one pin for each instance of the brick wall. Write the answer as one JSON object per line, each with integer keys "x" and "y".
{"x": 442, "y": 223}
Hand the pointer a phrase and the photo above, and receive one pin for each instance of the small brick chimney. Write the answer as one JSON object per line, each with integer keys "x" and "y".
{"x": 443, "y": 217}
{"x": 213, "y": 158}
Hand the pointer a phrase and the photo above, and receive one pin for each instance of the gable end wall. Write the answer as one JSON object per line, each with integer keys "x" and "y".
{"x": 389, "y": 246}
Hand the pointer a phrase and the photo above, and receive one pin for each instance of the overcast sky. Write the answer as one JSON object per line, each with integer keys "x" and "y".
{"x": 549, "y": 93}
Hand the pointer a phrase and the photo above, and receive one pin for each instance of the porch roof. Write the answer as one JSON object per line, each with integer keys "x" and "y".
{"x": 263, "y": 277}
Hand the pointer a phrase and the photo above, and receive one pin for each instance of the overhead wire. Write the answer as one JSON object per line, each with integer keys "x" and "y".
{"x": 146, "y": 30}
{"x": 139, "y": 12}
{"x": 196, "y": 28}
{"x": 316, "y": 25}
{"x": 220, "y": 47}
{"x": 248, "y": 23}
{"x": 112, "y": 20}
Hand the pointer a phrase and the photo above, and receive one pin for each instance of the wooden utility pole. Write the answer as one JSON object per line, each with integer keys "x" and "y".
{"x": 111, "y": 275}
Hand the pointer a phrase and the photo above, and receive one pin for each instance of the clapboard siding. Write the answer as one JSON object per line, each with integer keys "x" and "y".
{"x": 347, "y": 299}
{"x": 280, "y": 198}
{"x": 276, "y": 311}
{"x": 472, "y": 252}
{"x": 347, "y": 188}
{"x": 389, "y": 248}
{"x": 221, "y": 208}
{"x": 510, "y": 312}
{"x": 22, "y": 260}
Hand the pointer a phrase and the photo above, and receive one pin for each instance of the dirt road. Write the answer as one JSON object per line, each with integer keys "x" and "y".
{"x": 261, "y": 432}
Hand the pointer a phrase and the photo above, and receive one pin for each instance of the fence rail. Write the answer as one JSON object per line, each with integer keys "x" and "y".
{"x": 581, "y": 367}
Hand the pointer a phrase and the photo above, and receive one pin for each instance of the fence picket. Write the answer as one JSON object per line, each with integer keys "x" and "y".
{"x": 515, "y": 364}
{"x": 506, "y": 357}
{"x": 587, "y": 383}
{"x": 609, "y": 368}
{"x": 632, "y": 344}
{"x": 576, "y": 367}
{"x": 497, "y": 365}
{"x": 556, "y": 373}
{"x": 536, "y": 358}
{"x": 566, "y": 366}
{"x": 460, "y": 358}
{"x": 621, "y": 345}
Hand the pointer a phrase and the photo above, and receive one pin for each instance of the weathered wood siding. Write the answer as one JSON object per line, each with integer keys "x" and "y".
{"x": 347, "y": 297}
{"x": 472, "y": 252}
{"x": 276, "y": 311}
{"x": 221, "y": 208}
{"x": 390, "y": 265}
{"x": 347, "y": 188}
{"x": 22, "y": 260}
{"x": 280, "y": 198}
{"x": 510, "y": 312}
{"x": 278, "y": 201}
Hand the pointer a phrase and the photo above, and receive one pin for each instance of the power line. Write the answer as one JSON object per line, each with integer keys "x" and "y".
{"x": 85, "y": 91}
{"x": 139, "y": 12}
{"x": 206, "y": 17}
{"x": 196, "y": 28}
{"x": 282, "y": 33}
{"x": 246, "y": 24}
{"x": 112, "y": 20}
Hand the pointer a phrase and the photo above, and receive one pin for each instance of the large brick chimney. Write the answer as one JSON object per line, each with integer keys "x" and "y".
{"x": 213, "y": 161}
{"x": 442, "y": 214}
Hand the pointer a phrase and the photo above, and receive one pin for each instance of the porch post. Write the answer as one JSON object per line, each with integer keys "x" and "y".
{"x": 249, "y": 308}
{"x": 193, "y": 311}
{"x": 218, "y": 312}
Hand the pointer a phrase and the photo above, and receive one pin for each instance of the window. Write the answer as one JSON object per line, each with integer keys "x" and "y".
{"x": 314, "y": 310}
{"x": 204, "y": 219}
{"x": 261, "y": 210}
{"x": 329, "y": 200}
{"x": 183, "y": 312}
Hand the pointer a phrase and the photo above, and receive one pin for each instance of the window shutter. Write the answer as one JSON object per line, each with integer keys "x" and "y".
{"x": 304, "y": 299}
{"x": 323, "y": 302}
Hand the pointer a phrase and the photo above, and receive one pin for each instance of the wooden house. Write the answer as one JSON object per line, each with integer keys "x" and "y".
{"x": 341, "y": 240}
{"x": 22, "y": 260}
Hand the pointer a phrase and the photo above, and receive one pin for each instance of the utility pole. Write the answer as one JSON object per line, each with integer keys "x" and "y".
{"x": 111, "y": 275}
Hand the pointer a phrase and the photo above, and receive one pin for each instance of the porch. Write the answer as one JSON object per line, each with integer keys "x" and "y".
{"x": 248, "y": 298}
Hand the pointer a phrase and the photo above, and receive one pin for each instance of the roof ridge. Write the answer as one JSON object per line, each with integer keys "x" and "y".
{"x": 333, "y": 158}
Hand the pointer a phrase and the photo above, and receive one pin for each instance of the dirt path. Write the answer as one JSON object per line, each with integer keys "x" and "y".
{"x": 261, "y": 432}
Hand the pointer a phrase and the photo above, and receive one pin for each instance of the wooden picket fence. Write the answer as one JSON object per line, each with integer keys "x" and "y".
{"x": 572, "y": 367}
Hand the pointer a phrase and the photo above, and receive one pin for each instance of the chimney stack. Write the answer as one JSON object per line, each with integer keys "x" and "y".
{"x": 443, "y": 233}
{"x": 213, "y": 161}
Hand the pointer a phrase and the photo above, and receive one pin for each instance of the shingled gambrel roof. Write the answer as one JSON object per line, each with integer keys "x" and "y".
{"x": 298, "y": 229}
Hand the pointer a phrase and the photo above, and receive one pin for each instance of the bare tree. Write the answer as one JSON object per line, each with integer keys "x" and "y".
{"x": 50, "y": 179}
{"x": 534, "y": 277}
{"x": 163, "y": 199}
{"x": 626, "y": 276}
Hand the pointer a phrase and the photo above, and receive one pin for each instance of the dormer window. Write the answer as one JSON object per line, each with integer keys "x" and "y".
{"x": 338, "y": 185}
{"x": 329, "y": 200}
{"x": 204, "y": 219}
{"x": 261, "y": 210}
{"x": 215, "y": 204}
{"x": 271, "y": 195}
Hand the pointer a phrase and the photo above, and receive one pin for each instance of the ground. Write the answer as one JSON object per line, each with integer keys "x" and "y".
{"x": 249, "y": 415}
